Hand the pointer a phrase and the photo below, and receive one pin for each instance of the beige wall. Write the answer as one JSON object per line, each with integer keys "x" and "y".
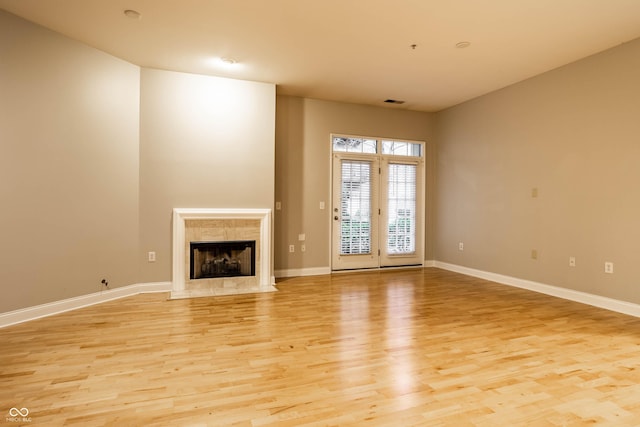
{"x": 572, "y": 133}
{"x": 205, "y": 142}
{"x": 95, "y": 153}
{"x": 68, "y": 167}
{"x": 303, "y": 128}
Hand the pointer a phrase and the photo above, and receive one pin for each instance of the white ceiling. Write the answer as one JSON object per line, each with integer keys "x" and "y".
{"x": 350, "y": 50}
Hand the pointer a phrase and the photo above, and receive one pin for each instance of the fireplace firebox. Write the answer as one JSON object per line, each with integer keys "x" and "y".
{"x": 211, "y": 260}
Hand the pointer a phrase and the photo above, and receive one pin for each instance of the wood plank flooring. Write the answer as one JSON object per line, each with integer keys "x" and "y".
{"x": 421, "y": 347}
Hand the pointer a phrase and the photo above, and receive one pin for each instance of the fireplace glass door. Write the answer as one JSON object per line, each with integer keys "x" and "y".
{"x": 209, "y": 260}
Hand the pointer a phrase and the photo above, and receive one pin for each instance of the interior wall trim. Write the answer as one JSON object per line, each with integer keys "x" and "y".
{"x": 319, "y": 271}
{"x": 611, "y": 304}
{"x": 43, "y": 310}
{"x": 36, "y": 312}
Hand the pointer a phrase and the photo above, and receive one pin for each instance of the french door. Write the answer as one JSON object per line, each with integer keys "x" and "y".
{"x": 377, "y": 203}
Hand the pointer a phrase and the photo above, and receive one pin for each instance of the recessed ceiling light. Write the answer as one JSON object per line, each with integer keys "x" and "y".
{"x": 133, "y": 14}
{"x": 462, "y": 45}
{"x": 226, "y": 63}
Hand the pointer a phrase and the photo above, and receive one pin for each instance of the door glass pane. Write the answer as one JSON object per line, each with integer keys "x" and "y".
{"x": 355, "y": 208}
{"x": 354, "y": 145}
{"x": 401, "y": 227}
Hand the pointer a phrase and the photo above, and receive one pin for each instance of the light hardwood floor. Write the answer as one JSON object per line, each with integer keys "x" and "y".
{"x": 395, "y": 348}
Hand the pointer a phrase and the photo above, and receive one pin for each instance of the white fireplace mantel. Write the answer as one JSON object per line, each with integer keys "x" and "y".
{"x": 180, "y": 215}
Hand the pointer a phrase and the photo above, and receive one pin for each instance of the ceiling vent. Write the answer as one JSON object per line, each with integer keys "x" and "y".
{"x": 393, "y": 101}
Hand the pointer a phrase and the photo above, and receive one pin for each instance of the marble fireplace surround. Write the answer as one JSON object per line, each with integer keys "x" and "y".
{"x": 182, "y": 287}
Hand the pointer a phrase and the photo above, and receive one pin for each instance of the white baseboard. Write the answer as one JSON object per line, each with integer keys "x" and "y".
{"x": 296, "y": 272}
{"x": 619, "y": 306}
{"x": 43, "y": 310}
{"x": 318, "y": 271}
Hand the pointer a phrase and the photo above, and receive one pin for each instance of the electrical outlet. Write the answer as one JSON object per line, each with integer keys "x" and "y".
{"x": 151, "y": 257}
{"x": 572, "y": 261}
{"x": 461, "y": 246}
{"x": 292, "y": 248}
{"x": 608, "y": 267}
{"x": 105, "y": 283}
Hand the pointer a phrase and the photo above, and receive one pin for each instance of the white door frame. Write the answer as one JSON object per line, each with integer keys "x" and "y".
{"x": 391, "y": 260}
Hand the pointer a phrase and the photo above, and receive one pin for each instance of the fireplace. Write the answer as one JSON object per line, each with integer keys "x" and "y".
{"x": 234, "y": 231}
{"x": 210, "y": 260}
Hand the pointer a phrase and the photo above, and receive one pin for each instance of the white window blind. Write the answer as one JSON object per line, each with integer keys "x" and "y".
{"x": 355, "y": 219}
{"x": 401, "y": 226}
